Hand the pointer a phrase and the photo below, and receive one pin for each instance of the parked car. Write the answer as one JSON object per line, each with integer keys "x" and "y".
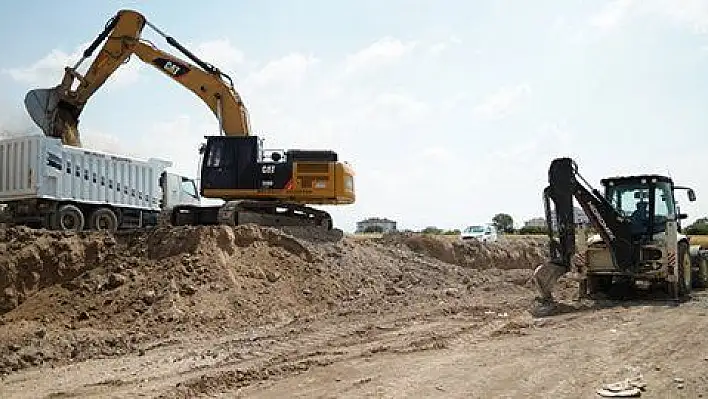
{"x": 484, "y": 233}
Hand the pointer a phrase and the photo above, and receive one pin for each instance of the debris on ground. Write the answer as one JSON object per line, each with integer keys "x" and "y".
{"x": 629, "y": 387}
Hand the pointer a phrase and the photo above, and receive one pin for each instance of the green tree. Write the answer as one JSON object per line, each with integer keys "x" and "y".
{"x": 699, "y": 227}
{"x": 503, "y": 222}
{"x": 431, "y": 230}
{"x": 533, "y": 230}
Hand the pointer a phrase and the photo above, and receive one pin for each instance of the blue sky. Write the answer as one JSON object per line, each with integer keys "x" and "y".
{"x": 449, "y": 111}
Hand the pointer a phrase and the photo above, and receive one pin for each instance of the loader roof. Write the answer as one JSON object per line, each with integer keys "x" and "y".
{"x": 635, "y": 178}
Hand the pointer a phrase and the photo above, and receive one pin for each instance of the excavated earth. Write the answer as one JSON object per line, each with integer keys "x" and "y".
{"x": 257, "y": 311}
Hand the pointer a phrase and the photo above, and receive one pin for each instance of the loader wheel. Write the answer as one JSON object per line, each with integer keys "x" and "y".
{"x": 104, "y": 219}
{"x": 685, "y": 280}
{"x": 702, "y": 280}
{"x": 69, "y": 218}
{"x": 598, "y": 285}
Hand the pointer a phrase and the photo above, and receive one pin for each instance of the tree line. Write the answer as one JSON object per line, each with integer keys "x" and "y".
{"x": 504, "y": 223}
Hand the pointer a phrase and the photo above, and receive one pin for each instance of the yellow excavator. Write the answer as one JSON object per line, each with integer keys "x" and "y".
{"x": 267, "y": 187}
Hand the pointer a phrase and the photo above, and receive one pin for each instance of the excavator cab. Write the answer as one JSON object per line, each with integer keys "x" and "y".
{"x": 238, "y": 167}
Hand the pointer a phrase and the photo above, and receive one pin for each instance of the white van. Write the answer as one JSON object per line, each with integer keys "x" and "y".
{"x": 481, "y": 232}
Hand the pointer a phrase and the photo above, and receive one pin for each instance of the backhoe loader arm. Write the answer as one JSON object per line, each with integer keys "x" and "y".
{"x": 615, "y": 231}
{"x": 57, "y": 110}
{"x": 562, "y": 189}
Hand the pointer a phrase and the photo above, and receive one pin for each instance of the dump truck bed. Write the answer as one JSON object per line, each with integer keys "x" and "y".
{"x": 41, "y": 167}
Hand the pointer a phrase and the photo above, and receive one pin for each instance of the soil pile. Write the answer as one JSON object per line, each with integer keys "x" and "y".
{"x": 76, "y": 296}
{"x": 507, "y": 253}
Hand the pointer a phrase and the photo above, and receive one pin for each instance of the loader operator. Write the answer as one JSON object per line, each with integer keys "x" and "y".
{"x": 640, "y": 217}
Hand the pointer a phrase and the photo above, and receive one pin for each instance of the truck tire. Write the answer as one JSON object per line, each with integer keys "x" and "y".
{"x": 685, "y": 278}
{"x": 69, "y": 218}
{"x": 104, "y": 219}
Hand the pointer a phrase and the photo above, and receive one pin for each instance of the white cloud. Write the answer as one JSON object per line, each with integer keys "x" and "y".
{"x": 14, "y": 121}
{"x": 692, "y": 14}
{"x": 503, "y": 102}
{"x": 395, "y": 106}
{"x": 382, "y": 52}
{"x": 437, "y": 154}
{"x": 611, "y": 14}
{"x": 438, "y": 47}
{"x": 49, "y": 70}
{"x": 288, "y": 71}
{"x": 221, "y": 53}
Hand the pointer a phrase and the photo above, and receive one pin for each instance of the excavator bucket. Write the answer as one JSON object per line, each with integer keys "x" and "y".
{"x": 45, "y": 108}
{"x": 39, "y": 104}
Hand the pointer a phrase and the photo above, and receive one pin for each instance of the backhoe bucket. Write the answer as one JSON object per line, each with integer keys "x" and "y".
{"x": 545, "y": 277}
{"x": 45, "y": 108}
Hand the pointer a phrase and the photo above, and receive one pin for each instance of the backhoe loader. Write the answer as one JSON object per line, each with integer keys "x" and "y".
{"x": 638, "y": 237}
{"x": 268, "y": 187}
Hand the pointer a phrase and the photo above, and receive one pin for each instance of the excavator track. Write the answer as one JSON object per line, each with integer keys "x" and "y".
{"x": 263, "y": 213}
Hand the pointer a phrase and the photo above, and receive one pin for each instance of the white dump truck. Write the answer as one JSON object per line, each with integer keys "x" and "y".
{"x": 46, "y": 184}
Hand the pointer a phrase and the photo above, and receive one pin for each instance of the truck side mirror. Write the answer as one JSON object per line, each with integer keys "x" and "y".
{"x": 691, "y": 195}
{"x": 682, "y": 216}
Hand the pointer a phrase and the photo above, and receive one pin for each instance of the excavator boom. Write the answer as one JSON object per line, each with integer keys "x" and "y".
{"x": 56, "y": 110}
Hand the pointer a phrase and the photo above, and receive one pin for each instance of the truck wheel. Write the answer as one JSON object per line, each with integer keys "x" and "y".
{"x": 69, "y": 218}
{"x": 104, "y": 219}
{"x": 685, "y": 280}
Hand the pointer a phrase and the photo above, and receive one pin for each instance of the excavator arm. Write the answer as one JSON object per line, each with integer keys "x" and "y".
{"x": 56, "y": 111}
{"x": 565, "y": 186}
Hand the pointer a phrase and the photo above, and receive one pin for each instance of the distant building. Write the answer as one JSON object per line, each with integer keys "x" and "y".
{"x": 535, "y": 222}
{"x": 581, "y": 219}
{"x": 375, "y": 224}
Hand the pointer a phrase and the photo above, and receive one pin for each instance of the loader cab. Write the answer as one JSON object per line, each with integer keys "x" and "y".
{"x": 647, "y": 201}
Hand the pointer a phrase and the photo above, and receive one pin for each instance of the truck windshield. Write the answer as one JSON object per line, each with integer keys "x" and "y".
{"x": 188, "y": 187}
{"x": 474, "y": 229}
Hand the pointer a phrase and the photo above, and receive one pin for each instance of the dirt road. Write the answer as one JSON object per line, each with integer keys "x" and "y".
{"x": 438, "y": 352}
{"x": 437, "y": 320}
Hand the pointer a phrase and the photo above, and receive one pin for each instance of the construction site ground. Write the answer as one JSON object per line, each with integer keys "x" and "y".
{"x": 260, "y": 312}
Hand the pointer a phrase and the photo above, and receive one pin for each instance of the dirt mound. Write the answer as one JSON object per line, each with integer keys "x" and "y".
{"x": 507, "y": 253}
{"x": 76, "y": 296}
{"x": 32, "y": 260}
